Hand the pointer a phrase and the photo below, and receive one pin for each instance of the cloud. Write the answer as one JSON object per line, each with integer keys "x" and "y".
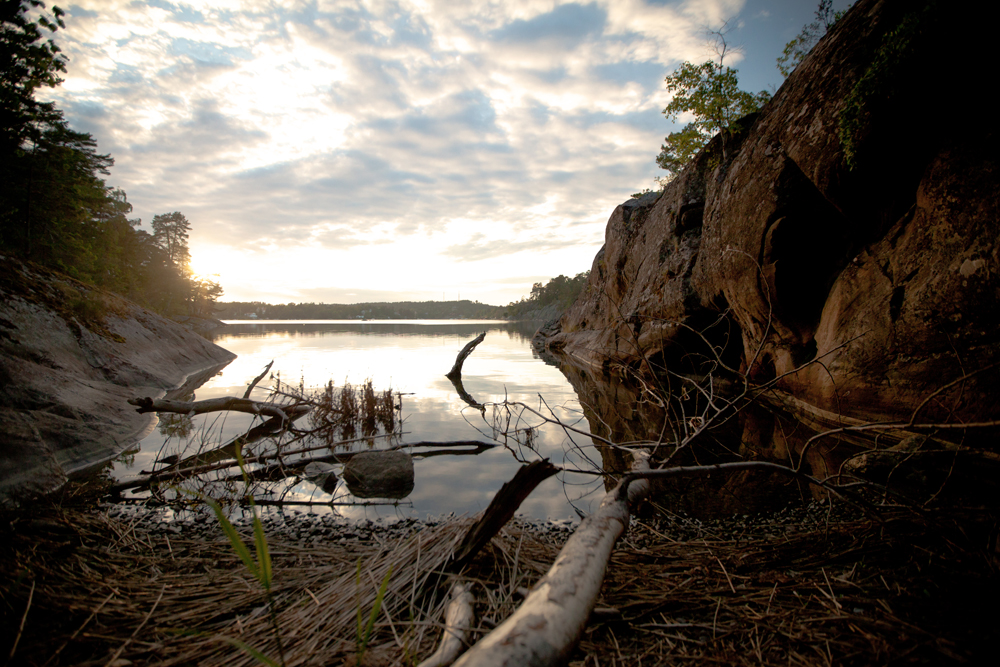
{"x": 563, "y": 27}
{"x": 476, "y": 131}
{"x": 478, "y": 247}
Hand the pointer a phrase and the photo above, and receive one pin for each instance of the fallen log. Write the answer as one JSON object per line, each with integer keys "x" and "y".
{"x": 456, "y": 370}
{"x": 210, "y": 460}
{"x": 224, "y": 404}
{"x": 548, "y": 624}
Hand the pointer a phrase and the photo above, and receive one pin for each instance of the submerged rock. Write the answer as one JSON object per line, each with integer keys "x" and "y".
{"x": 322, "y": 475}
{"x": 386, "y": 474}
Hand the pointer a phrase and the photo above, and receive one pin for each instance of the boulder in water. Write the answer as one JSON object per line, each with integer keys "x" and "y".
{"x": 386, "y": 474}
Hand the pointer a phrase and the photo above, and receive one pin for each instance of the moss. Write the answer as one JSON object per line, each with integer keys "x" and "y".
{"x": 890, "y": 72}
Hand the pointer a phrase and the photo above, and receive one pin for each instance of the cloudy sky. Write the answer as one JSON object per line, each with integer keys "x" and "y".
{"x": 382, "y": 150}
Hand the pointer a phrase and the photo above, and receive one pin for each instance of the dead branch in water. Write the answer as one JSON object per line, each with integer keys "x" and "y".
{"x": 456, "y": 381}
{"x": 224, "y": 404}
{"x": 258, "y": 379}
{"x": 456, "y": 370}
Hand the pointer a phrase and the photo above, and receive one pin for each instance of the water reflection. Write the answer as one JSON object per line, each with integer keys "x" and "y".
{"x": 624, "y": 412}
{"x": 411, "y": 358}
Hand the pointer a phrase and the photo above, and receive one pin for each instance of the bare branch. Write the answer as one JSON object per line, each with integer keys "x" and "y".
{"x": 224, "y": 404}
{"x": 258, "y": 379}
{"x": 456, "y": 370}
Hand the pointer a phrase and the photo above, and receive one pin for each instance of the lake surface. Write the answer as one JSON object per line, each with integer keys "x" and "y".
{"x": 410, "y": 357}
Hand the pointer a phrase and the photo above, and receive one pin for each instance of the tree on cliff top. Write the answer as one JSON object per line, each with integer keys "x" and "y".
{"x": 797, "y": 49}
{"x": 710, "y": 92}
{"x": 170, "y": 234}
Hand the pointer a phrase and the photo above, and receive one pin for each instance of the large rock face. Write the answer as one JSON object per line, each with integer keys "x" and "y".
{"x": 64, "y": 384}
{"x": 774, "y": 251}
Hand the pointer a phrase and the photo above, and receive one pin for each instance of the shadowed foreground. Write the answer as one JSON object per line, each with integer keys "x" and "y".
{"x": 810, "y": 585}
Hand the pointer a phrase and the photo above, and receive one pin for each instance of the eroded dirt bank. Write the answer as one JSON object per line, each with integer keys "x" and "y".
{"x": 70, "y": 357}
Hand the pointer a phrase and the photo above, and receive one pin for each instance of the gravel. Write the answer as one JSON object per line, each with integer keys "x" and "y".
{"x": 305, "y": 527}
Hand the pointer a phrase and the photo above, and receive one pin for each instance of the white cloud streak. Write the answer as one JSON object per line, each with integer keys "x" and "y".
{"x": 330, "y": 148}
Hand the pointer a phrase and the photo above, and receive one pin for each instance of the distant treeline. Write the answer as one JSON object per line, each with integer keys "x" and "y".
{"x": 560, "y": 291}
{"x": 55, "y": 208}
{"x": 400, "y": 310}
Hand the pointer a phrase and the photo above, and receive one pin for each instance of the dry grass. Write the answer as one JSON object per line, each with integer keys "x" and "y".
{"x": 851, "y": 592}
{"x": 857, "y": 592}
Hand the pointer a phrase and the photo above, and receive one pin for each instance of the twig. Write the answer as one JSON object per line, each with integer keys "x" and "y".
{"x": 136, "y": 631}
{"x": 24, "y": 618}
{"x": 80, "y": 629}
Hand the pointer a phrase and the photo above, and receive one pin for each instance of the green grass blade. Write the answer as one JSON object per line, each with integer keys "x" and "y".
{"x": 263, "y": 554}
{"x": 234, "y": 538}
{"x": 263, "y": 571}
{"x": 377, "y": 606}
{"x": 257, "y": 655}
{"x": 357, "y": 587}
{"x": 243, "y": 469}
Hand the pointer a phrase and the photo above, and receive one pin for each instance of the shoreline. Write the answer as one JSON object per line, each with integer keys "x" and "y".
{"x": 68, "y": 373}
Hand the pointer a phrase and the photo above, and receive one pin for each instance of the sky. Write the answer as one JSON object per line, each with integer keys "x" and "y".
{"x": 394, "y": 150}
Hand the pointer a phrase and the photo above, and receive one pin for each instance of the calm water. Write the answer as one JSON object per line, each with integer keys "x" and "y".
{"x": 410, "y": 357}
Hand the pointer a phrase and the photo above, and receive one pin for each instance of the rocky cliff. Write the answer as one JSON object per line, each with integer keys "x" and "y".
{"x": 855, "y": 264}
{"x": 70, "y": 357}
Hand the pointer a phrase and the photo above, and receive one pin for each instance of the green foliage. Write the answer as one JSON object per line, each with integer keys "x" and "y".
{"x": 55, "y": 207}
{"x": 890, "y": 73}
{"x": 679, "y": 149}
{"x": 170, "y": 234}
{"x": 797, "y": 49}
{"x": 560, "y": 290}
{"x": 710, "y": 92}
{"x": 28, "y": 62}
{"x": 260, "y": 569}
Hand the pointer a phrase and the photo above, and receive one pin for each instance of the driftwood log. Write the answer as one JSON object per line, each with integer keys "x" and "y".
{"x": 226, "y": 403}
{"x": 501, "y": 509}
{"x": 457, "y": 622}
{"x": 456, "y": 370}
{"x": 547, "y": 626}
